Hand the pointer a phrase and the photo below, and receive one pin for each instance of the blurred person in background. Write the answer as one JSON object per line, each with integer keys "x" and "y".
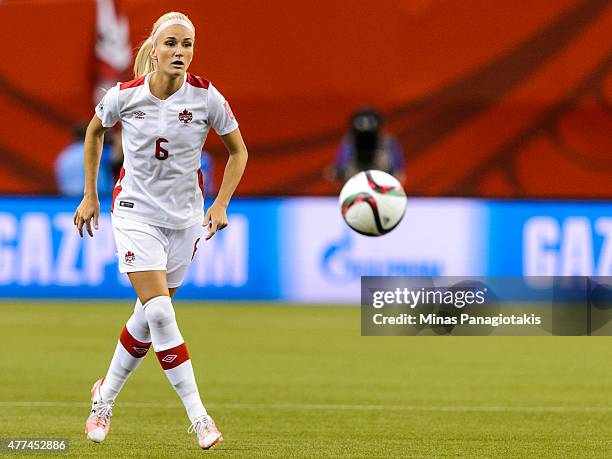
{"x": 157, "y": 210}
{"x": 367, "y": 146}
{"x": 69, "y": 163}
{"x": 116, "y": 162}
{"x": 207, "y": 166}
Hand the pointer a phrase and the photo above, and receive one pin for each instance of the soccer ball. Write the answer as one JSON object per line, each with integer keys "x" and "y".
{"x": 372, "y": 202}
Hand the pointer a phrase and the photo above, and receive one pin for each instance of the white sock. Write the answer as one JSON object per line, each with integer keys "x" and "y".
{"x": 172, "y": 353}
{"x": 133, "y": 345}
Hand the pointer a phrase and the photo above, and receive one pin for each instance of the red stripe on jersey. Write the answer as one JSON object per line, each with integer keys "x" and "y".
{"x": 136, "y": 348}
{"x": 118, "y": 188}
{"x": 132, "y": 83}
{"x": 201, "y": 182}
{"x": 197, "y": 81}
{"x": 171, "y": 358}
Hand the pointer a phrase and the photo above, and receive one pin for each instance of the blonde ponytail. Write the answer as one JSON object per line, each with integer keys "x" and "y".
{"x": 144, "y": 63}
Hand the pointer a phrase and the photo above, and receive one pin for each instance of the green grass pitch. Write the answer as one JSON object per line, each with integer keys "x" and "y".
{"x": 301, "y": 381}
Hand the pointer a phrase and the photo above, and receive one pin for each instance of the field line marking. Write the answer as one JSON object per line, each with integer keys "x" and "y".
{"x": 324, "y": 406}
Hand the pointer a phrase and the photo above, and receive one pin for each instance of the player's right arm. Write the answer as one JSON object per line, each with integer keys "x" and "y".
{"x": 90, "y": 205}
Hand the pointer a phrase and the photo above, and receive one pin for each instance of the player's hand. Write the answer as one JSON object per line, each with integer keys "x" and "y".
{"x": 215, "y": 219}
{"x": 88, "y": 209}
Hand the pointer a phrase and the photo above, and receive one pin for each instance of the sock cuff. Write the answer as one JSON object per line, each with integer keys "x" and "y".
{"x": 157, "y": 299}
{"x": 134, "y": 347}
{"x": 173, "y": 357}
{"x": 138, "y": 327}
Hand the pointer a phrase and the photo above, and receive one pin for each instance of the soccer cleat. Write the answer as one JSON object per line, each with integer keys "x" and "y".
{"x": 98, "y": 422}
{"x": 206, "y": 431}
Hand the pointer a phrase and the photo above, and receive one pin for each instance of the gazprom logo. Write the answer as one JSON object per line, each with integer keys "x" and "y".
{"x": 573, "y": 246}
{"x": 342, "y": 262}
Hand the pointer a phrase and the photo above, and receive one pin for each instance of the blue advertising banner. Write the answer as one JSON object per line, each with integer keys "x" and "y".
{"x": 324, "y": 259}
{"x": 300, "y": 250}
{"x": 549, "y": 238}
{"x": 42, "y": 255}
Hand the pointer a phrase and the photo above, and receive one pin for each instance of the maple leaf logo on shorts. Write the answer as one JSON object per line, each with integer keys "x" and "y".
{"x": 129, "y": 257}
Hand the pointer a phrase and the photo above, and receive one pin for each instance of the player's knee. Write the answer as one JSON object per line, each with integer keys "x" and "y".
{"x": 159, "y": 311}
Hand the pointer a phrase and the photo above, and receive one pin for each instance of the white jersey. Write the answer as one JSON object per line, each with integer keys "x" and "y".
{"x": 161, "y": 182}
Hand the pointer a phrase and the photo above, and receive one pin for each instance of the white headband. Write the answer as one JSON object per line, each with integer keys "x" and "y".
{"x": 168, "y": 23}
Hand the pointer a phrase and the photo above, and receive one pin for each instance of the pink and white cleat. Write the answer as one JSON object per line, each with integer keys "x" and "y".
{"x": 98, "y": 422}
{"x": 206, "y": 431}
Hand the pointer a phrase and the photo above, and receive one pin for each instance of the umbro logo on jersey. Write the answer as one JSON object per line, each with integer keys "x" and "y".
{"x": 185, "y": 117}
{"x": 130, "y": 257}
{"x": 169, "y": 358}
{"x": 139, "y": 115}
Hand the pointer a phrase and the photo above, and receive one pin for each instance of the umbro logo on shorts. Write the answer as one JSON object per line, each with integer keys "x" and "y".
{"x": 139, "y": 115}
{"x": 126, "y": 204}
{"x": 169, "y": 358}
{"x": 129, "y": 257}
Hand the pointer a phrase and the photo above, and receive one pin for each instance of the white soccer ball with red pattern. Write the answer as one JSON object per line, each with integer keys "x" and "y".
{"x": 372, "y": 203}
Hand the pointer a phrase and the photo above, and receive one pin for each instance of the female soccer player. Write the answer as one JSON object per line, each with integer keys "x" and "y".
{"x": 157, "y": 207}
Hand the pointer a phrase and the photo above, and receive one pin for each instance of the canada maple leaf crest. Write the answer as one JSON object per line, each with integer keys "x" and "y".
{"x": 185, "y": 116}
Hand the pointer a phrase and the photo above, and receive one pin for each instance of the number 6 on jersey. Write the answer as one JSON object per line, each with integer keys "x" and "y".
{"x": 160, "y": 152}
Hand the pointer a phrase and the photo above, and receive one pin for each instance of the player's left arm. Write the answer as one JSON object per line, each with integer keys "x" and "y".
{"x": 216, "y": 217}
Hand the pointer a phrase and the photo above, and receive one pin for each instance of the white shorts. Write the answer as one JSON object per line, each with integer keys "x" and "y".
{"x": 144, "y": 247}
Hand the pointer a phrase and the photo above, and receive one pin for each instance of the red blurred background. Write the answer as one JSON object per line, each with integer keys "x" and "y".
{"x": 492, "y": 99}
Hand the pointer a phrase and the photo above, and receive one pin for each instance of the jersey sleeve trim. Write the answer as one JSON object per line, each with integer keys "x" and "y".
{"x": 229, "y": 130}
{"x": 221, "y": 118}
{"x": 197, "y": 81}
{"x": 107, "y": 110}
{"x": 132, "y": 83}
